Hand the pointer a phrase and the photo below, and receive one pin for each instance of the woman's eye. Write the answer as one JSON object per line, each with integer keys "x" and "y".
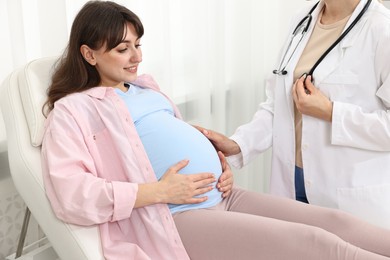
{"x": 138, "y": 45}
{"x": 122, "y": 50}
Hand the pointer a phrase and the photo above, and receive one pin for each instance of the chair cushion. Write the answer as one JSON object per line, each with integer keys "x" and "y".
{"x": 33, "y": 83}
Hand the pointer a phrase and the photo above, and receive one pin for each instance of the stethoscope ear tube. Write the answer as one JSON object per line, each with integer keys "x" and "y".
{"x": 296, "y": 30}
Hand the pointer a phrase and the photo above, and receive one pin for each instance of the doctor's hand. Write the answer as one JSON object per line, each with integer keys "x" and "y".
{"x": 310, "y": 101}
{"x": 225, "y": 181}
{"x": 221, "y": 142}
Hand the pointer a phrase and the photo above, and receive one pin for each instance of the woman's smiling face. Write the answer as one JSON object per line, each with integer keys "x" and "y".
{"x": 119, "y": 64}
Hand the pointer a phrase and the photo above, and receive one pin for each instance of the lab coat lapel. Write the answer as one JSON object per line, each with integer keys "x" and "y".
{"x": 334, "y": 58}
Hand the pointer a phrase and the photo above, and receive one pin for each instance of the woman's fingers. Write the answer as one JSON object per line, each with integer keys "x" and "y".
{"x": 178, "y": 166}
{"x": 225, "y": 181}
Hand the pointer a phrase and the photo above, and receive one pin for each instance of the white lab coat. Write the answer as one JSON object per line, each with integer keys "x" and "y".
{"x": 346, "y": 162}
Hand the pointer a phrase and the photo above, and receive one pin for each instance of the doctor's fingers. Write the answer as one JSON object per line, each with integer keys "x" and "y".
{"x": 309, "y": 85}
{"x": 220, "y": 141}
{"x": 214, "y": 137}
{"x": 301, "y": 88}
{"x": 200, "y": 129}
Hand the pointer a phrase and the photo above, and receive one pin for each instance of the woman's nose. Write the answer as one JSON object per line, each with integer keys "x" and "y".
{"x": 136, "y": 56}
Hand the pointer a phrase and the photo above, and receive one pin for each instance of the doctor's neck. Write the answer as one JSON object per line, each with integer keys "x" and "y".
{"x": 336, "y": 10}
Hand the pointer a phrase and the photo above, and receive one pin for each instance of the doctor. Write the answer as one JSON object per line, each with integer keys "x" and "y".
{"x": 327, "y": 113}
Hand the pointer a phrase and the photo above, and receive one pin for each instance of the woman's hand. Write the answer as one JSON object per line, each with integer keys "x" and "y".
{"x": 178, "y": 188}
{"x": 310, "y": 101}
{"x": 225, "y": 181}
{"x": 221, "y": 142}
{"x": 175, "y": 188}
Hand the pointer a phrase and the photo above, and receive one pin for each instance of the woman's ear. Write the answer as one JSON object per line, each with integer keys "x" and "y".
{"x": 88, "y": 54}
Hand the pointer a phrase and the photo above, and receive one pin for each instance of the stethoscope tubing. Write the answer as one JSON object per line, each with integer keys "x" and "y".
{"x": 341, "y": 37}
{"x": 281, "y": 70}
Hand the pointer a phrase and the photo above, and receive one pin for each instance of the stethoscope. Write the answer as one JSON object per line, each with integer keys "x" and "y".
{"x": 302, "y": 28}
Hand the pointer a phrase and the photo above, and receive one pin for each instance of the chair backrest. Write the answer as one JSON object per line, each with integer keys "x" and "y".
{"x": 22, "y": 95}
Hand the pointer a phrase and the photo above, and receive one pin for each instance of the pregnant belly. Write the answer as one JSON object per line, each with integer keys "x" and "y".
{"x": 167, "y": 140}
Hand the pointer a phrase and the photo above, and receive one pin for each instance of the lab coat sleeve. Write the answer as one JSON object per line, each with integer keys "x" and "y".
{"x": 256, "y": 136}
{"x": 76, "y": 193}
{"x": 370, "y": 130}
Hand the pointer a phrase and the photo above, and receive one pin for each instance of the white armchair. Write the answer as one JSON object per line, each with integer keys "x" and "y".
{"x": 22, "y": 96}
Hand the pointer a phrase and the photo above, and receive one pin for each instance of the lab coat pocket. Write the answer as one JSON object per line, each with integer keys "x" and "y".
{"x": 340, "y": 87}
{"x": 371, "y": 203}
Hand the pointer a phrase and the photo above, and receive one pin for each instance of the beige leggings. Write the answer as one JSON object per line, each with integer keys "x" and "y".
{"x": 249, "y": 225}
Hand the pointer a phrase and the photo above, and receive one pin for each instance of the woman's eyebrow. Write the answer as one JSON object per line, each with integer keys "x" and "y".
{"x": 128, "y": 41}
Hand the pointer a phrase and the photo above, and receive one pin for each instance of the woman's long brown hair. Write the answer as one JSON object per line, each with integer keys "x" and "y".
{"x": 96, "y": 24}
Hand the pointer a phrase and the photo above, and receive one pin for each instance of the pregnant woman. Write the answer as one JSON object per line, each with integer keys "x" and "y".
{"x": 116, "y": 154}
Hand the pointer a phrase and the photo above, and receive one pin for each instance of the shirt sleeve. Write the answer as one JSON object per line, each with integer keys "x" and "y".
{"x": 77, "y": 194}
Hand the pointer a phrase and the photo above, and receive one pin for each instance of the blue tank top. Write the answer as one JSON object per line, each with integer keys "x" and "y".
{"x": 168, "y": 140}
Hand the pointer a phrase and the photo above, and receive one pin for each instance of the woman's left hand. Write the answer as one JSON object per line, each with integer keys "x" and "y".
{"x": 310, "y": 101}
{"x": 225, "y": 181}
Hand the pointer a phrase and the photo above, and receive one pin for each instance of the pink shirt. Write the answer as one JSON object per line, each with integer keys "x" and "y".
{"x": 92, "y": 161}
